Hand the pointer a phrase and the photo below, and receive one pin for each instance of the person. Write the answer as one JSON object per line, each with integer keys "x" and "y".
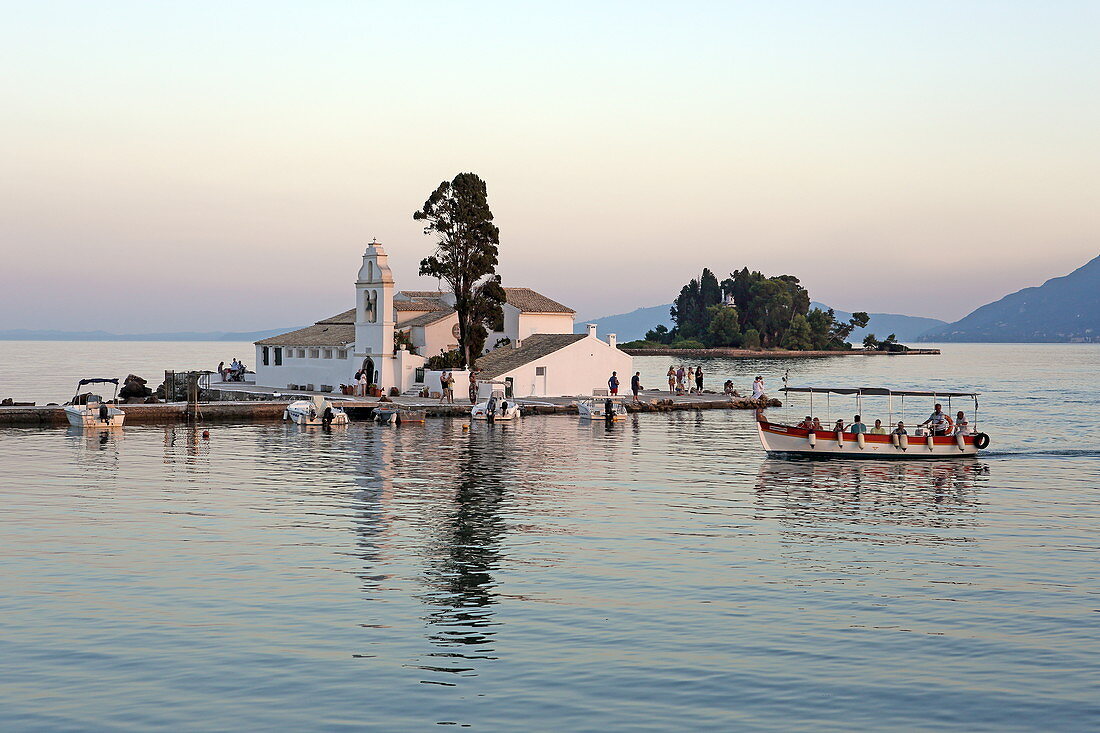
{"x": 939, "y": 422}
{"x": 636, "y": 384}
{"x": 363, "y": 383}
{"x": 857, "y": 426}
{"x": 221, "y": 370}
{"x": 839, "y": 427}
{"x": 473, "y": 387}
{"x": 817, "y": 424}
{"x": 679, "y": 379}
{"x": 450, "y": 388}
{"x": 671, "y": 380}
{"x": 613, "y": 383}
{"x": 878, "y": 429}
{"x": 758, "y": 388}
{"x": 962, "y": 425}
{"x": 806, "y": 424}
{"x": 728, "y": 387}
{"x": 699, "y": 379}
{"x": 900, "y": 429}
{"x": 690, "y": 379}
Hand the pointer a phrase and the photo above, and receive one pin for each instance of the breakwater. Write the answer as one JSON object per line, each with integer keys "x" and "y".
{"x": 268, "y": 410}
{"x": 772, "y": 353}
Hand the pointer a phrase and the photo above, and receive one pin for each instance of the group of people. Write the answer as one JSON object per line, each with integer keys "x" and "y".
{"x": 938, "y": 423}
{"x": 635, "y": 384}
{"x": 681, "y": 381}
{"x": 234, "y": 372}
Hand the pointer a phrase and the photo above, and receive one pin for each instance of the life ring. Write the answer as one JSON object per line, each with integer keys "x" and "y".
{"x": 981, "y": 441}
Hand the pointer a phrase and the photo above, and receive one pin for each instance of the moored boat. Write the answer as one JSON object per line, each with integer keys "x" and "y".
{"x": 497, "y": 405}
{"x": 605, "y": 408}
{"x": 808, "y": 441}
{"x": 315, "y": 411}
{"x": 94, "y": 412}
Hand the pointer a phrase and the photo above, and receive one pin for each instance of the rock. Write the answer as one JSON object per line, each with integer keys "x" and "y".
{"x": 7, "y": 402}
{"x": 134, "y": 387}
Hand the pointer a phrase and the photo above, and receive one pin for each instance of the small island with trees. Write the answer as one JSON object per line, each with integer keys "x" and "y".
{"x": 751, "y": 314}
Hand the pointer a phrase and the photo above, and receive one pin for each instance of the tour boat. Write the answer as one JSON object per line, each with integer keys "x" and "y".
{"x": 496, "y": 406}
{"x": 315, "y": 411}
{"x": 602, "y": 408}
{"x": 95, "y": 413}
{"x": 794, "y": 441}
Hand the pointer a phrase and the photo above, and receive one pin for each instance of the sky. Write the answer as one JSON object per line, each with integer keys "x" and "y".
{"x": 203, "y": 166}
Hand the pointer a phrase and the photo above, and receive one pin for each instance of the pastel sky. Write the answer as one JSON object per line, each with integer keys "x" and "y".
{"x": 221, "y": 165}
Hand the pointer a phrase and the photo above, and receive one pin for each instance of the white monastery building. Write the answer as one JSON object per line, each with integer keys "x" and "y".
{"x": 535, "y": 350}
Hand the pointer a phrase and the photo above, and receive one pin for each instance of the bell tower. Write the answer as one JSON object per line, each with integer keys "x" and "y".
{"x": 374, "y": 312}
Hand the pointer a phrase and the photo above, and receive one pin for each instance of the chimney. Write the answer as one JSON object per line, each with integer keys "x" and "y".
{"x": 611, "y": 340}
{"x": 592, "y": 330}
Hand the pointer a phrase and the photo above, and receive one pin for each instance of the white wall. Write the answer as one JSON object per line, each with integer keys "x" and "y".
{"x": 319, "y": 371}
{"x": 573, "y": 371}
{"x": 530, "y": 323}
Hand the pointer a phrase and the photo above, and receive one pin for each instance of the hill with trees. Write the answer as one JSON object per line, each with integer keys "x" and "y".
{"x": 1061, "y": 309}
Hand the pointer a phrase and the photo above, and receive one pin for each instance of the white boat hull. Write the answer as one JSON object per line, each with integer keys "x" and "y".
{"x": 303, "y": 413}
{"x": 511, "y": 412}
{"x": 81, "y": 416}
{"x": 784, "y": 440}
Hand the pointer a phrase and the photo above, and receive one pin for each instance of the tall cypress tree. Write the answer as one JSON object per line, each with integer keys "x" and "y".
{"x": 457, "y": 214}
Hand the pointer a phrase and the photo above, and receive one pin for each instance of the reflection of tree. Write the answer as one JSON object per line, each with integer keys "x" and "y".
{"x": 462, "y": 561}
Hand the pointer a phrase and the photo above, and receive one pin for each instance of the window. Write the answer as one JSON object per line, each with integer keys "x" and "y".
{"x": 266, "y": 356}
{"x": 326, "y": 353}
{"x": 540, "y": 371}
{"x": 278, "y": 356}
{"x": 314, "y": 354}
{"x": 341, "y": 353}
{"x": 301, "y": 353}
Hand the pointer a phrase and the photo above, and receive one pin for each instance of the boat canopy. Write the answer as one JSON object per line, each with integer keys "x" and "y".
{"x": 883, "y": 391}
{"x": 97, "y": 381}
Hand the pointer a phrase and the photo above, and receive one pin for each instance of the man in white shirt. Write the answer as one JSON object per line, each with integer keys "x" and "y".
{"x": 937, "y": 421}
{"x": 758, "y": 388}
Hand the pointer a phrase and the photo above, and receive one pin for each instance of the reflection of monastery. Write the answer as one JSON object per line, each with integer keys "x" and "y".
{"x": 535, "y": 348}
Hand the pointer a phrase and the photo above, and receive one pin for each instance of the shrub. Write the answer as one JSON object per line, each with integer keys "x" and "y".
{"x": 688, "y": 344}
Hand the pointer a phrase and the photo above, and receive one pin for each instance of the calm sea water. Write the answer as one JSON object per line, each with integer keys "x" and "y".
{"x": 551, "y": 575}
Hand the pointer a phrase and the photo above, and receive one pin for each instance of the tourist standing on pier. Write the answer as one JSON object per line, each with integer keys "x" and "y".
{"x": 699, "y": 379}
{"x": 758, "y": 388}
{"x": 450, "y": 388}
{"x": 363, "y": 383}
{"x": 443, "y": 377}
{"x": 613, "y": 383}
{"x": 671, "y": 380}
{"x": 690, "y": 379}
{"x": 680, "y": 378}
{"x": 473, "y": 387}
{"x": 636, "y": 384}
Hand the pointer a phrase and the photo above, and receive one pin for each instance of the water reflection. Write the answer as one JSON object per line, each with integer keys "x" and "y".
{"x": 828, "y": 494}
{"x": 465, "y": 551}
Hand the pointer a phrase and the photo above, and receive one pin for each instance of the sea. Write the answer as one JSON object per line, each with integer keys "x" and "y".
{"x": 658, "y": 574}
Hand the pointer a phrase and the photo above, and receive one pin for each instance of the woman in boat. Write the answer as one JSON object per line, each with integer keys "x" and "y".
{"x": 962, "y": 425}
{"x": 817, "y": 424}
{"x": 839, "y": 427}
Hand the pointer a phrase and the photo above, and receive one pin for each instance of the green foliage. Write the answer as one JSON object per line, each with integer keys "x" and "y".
{"x": 800, "y": 334}
{"x": 889, "y": 344}
{"x": 724, "y": 328}
{"x": 457, "y": 214}
{"x": 446, "y": 360}
{"x": 641, "y": 344}
{"x": 402, "y": 338}
{"x": 688, "y": 344}
{"x": 751, "y": 339}
{"x": 659, "y": 335}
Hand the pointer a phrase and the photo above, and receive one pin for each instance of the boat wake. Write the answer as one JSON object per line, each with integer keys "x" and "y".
{"x": 1067, "y": 453}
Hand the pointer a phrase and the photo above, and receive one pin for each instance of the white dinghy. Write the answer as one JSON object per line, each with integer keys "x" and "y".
{"x": 601, "y": 407}
{"x": 496, "y": 405}
{"x": 94, "y": 413}
{"x": 806, "y": 441}
{"x": 315, "y": 411}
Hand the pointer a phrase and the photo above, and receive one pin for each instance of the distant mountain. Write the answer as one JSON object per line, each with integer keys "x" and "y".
{"x": 906, "y": 328}
{"x": 633, "y": 325}
{"x": 629, "y": 326}
{"x": 22, "y": 334}
{"x": 1061, "y": 309}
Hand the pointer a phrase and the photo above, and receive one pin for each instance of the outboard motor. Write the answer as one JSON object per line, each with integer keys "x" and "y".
{"x": 491, "y": 409}
{"x": 608, "y": 410}
{"x": 104, "y": 412}
{"x": 326, "y": 417}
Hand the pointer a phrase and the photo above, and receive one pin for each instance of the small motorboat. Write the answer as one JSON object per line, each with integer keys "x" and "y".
{"x": 602, "y": 407}
{"x": 496, "y": 406}
{"x": 394, "y": 415}
{"x": 315, "y": 411}
{"x": 94, "y": 412}
{"x": 798, "y": 441}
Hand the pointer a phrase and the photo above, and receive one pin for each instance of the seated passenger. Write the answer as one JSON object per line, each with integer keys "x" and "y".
{"x": 857, "y": 426}
{"x": 817, "y": 424}
{"x": 900, "y": 429}
{"x": 878, "y": 429}
{"x": 806, "y": 424}
{"x": 938, "y": 422}
{"x": 962, "y": 425}
{"x": 839, "y": 427}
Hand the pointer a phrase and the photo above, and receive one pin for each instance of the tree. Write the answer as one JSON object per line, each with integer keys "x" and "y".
{"x": 724, "y": 328}
{"x": 799, "y": 336}
{"x": 751, "y": 339}
{"x": 658, "y": 335}
{"x": 457, "y": 214}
